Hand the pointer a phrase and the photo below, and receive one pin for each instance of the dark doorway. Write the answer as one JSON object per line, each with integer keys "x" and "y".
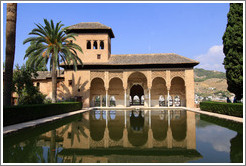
{"x": 136, "y": 94}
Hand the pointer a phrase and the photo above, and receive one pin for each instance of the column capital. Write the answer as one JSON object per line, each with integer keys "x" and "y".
{"x": 168, "y": 88}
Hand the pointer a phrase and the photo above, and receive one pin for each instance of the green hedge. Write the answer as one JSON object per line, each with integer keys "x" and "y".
{"x": 23, "y": 113}
{"x": 233, "y": 109}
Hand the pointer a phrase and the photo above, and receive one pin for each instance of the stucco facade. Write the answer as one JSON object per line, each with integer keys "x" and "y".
{"x": 123, "y": 80}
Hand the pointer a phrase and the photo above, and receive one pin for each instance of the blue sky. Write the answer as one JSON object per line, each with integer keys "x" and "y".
{"x": 193, "y": 30}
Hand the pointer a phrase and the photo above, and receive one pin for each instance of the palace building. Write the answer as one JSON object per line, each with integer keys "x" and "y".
{"x": 105, "y": 79}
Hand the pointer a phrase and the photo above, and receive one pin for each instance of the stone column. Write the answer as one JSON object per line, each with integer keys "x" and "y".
{"x": 125, "y": 97}
{"x": 168, "y": 117}
{"x": 173, "y": 100}
{"x": 106, "y": 97}
{"x": 168, "y": 103}
{"x": 101, "y": 100}
{"x": 168, "y": 84}
{"x": 149, "y": 97}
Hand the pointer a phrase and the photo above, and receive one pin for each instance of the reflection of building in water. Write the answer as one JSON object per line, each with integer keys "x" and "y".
{"x": 123, "y": 130}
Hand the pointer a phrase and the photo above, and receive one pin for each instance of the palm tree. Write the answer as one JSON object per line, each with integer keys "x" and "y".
{"x": 52, "y": 44}
{"x": 10, "y": 52}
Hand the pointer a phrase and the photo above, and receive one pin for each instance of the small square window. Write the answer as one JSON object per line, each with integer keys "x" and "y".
{"x": 70, "y": 82}
{"x": 98, "y": 56}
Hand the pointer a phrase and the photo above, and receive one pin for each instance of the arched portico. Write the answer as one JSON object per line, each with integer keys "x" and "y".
{"x": 177, "y": 90}
{"x": 148, "y": 88}
{"x": 97, "y": 92}
{"x": 116, "y": 90}
{"x": 136, "y": 90}
{"x": 137, "y": 86}
{"x": 159, "y": 89}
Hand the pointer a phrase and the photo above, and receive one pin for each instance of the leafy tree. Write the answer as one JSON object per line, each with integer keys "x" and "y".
{"x": 10, "y": 52}
{"x": 233, "y": 50}
{"x": 53, "y": 44}
{"x": 27, "y": 92}
{"x": 32, "y": 62}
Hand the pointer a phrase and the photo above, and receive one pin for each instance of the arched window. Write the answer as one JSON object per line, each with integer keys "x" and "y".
{"x": 97, "y": 101}
{"x": 112, "y": 101}
{"x": 95, "y": 45}
{"x": 136, "y": 99}
{"x": 142, "y": 100}
{"x": 170, "y": 100}
{"x": 101, "y": 45}
{"x": 104, "y": 101}
{"x": 161, "y": 101}
{"x": 88, "y": 44}
{"x": 38, "y": 84}
{"x": 177, "y": 101}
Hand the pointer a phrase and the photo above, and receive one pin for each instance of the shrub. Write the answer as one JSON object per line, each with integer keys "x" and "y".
{"x": 23, "y": 113}
{"x": 233, "y": 109}
{"x": 23, "y": 86}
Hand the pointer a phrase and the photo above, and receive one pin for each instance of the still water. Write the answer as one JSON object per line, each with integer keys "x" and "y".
{"x": 137, "y": 136}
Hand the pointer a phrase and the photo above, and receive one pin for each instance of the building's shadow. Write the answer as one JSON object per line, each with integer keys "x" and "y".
{"x": 73, "y": 92}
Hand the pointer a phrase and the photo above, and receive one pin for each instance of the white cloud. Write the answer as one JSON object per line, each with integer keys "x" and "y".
{"x": 213, "y": 59}
{"x": 217, "y": 136}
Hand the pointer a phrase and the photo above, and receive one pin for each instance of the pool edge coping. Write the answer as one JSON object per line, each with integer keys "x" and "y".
{"x": 222, "y": 116}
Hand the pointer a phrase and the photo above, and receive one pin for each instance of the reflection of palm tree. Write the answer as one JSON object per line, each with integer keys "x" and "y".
{"x": 52, "y": 146}
{"x": 52, "y": 155}
{"x": 77, "y": 128}
{"x": 76, "y": 87}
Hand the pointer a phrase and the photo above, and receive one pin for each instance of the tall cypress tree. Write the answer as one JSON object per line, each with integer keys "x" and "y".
{"x": 233, "y": 49}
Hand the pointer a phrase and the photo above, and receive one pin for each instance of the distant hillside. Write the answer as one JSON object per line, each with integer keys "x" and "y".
{"x": 202, "y": 74}
{"x": 210, "y": 83}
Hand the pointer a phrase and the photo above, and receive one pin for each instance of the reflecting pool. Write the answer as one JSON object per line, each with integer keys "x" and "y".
{"x": 128, "y": 136}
